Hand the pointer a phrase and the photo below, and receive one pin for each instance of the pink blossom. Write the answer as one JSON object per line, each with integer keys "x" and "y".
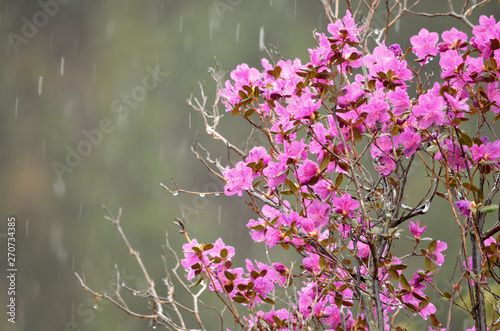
{"x": 454, "y": 154}
{"x": 484, "y": 33}
{"x": 449, "y": 62}
{"x": 487, "y": 152}
{"x": 302, "y": 107}
{"x": 306, "y": 171}
{"x": 410, "y": 140}
{"x": 296, "y": 150}
{"x": 275, "y": 173}
{"x": 474, "y": 65}
{"x": 452, "y": 39}
{"x": 396, "y": 49}
{"x": 321, "y": 54}
{"x": 346, "y": 24}
{"x": 399, "y": 100}
{"x": 493, "y": 93}
{"x": 429, "y": 110}
{"x": 318, "y": 212}
{"x": 258, "y": 153}
{"x": 424, "y": 44}
{"x": 436, "y": 255}
{"x": 464, "y": 207}
{"x": 416, "y": 230}
{"x": 193, "y": 257}
{"x": 377, "y": 110}
{"x": 383, "y": 60}
{"x": 239, "y": 179}
{"x": 345, "y": 205}
{"x": 332, "y": 319}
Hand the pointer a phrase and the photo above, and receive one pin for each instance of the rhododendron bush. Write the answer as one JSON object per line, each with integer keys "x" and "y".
{"x": 343, "y": 131}
{"x": 323, "y": 119}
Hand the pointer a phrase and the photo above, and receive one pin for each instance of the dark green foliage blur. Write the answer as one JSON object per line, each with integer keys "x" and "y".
{"x": 62, "y": 85}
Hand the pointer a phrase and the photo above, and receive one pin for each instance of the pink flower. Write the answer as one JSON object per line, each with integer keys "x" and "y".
{"x": 410, "y": 140}
{"x": 429, "y": 110}
{"x": 487, "y": 152}
{"x": 345, "y": 205}
{"x": 484, "y": 33}
{"x": 377, "y": 110}
{"x": 383, "y": 60}
{"x": 275, "y": 173}
{"x": 424, "y": 44}
{"x": 295, "y": 150}
{"x": 416, "y": 230}
{"x": 332, "y": 318}
{"x": 449, "y": 62}
{"x": 318, "y": 212}
{"x": 452, "y": 39}
{"x": 306, "y": 171}
{"x": 346, "y": 24}
{"x": 258, "y": 153}
{"x": 464, "y": 207}
{"x": 399, "y": 100}
{"x": 493, "y": 93}
{"x": 239, "y": 179}
{"x": 436, "y": 255}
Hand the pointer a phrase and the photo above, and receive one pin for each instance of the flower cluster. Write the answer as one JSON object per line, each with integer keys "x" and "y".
{"x": 322, "y": 118}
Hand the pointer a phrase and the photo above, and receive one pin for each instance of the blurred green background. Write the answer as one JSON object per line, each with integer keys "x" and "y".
{"x": 66, "y": 69}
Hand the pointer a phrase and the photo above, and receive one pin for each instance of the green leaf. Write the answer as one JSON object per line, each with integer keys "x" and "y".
{"x": 229, "y": 275}
{"x": 240, "y": 299}
{"x": 197, "y": 283}
{"x": 488, "y": 209}
{"x": 224, "y": 253}
{"x": 434, "y": 320}
{"x": 339, "y": 179}
{"x": 249, "y": 112}
{"x": 465, "y": 140}
{"x": 432, "y": 246}
{"x": 429, "y": 265}
{"x": 268, "y": 300}
{"x": 433, "y": 149}
{"x": 229, "y": 287}
{"x": 404, "y": 282}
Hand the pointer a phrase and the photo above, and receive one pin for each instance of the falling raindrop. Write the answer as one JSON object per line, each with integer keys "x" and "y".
{"x": 180, "y": 24}
{"x": 62, "y": 65}
{"x": 175, "y": 194}
{"x": 80, "y": 213}
{"x": 238, "y": 32}
{"x": 94, "y": 75}
{"x": 59, "y": 188}
{"x": 202, "y": 195}
{"x": 211, "y": 29}
{"x": 219, "y": 213}
{"x": 44, "y": 147}
{"x": 40, "y": 83}
{"x": 189, "y": 120}
{"x": 261, "y": 39}
{"x": 15, "y": 110}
